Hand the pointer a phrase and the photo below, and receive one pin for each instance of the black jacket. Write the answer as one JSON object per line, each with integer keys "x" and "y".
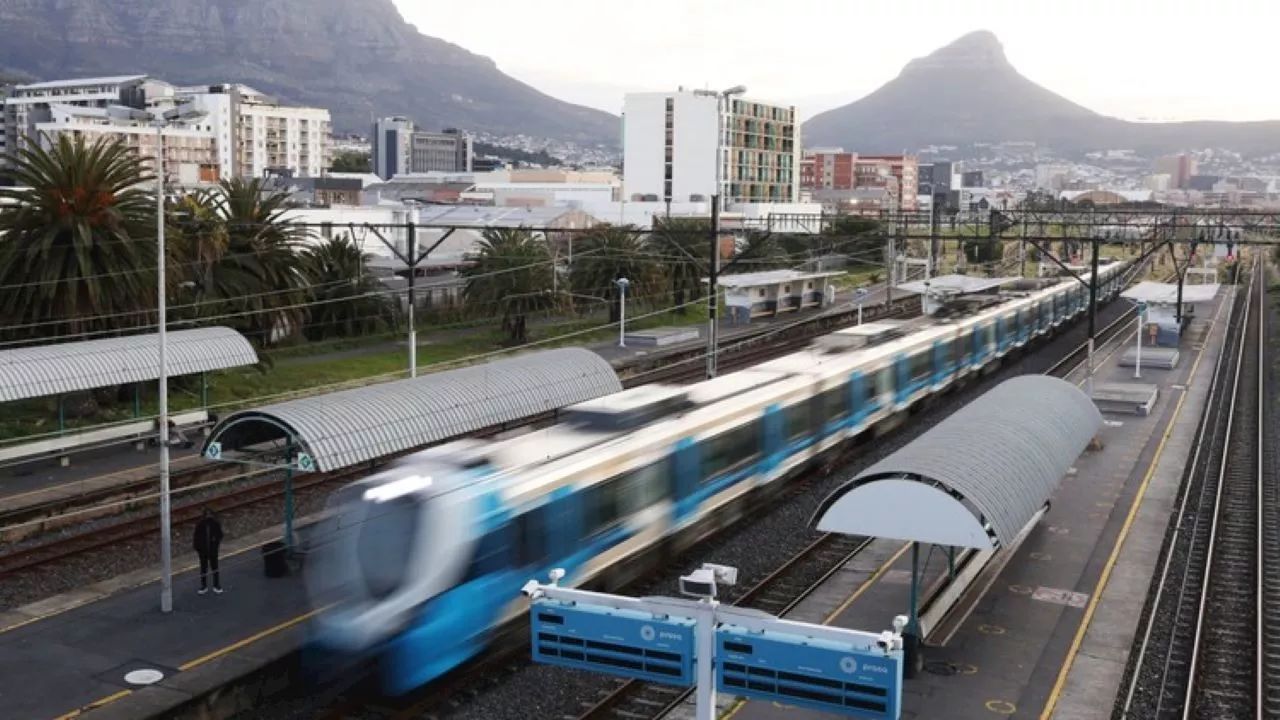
{"x": 208, "y": 535}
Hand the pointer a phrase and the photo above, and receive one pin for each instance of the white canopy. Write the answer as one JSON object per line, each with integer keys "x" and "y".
{"x": 1167, "y": 294}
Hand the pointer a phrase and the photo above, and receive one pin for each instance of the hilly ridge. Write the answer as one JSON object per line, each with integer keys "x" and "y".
{"x": 967, "y": 92}
{"x": 359, "y": 59}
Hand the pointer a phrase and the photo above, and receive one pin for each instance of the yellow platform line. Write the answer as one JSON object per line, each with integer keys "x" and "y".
{"x": 1114, "y": 557}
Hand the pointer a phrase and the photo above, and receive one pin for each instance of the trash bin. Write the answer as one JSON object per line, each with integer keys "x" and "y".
{"x": 274, "y": 559}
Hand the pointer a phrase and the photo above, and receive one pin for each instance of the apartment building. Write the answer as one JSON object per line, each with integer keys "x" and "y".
{"x": 897, "y": 176}
{"x": 257, "y": 134}
{"x": 828, "y": 169}
{"x": 399, "y": 148}
{"x": 95, "y": 108}
{"x": 905, "y": 169}
{"x": 673, "y": 142}
{"x": 1179, "y": 168}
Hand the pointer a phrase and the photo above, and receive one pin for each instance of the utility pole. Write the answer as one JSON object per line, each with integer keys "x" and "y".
{"x": 1093, "y": 304}
{"x": 713, "y": 296}
{"x": 411, "y": 245}
{"x": 166, "y": 531}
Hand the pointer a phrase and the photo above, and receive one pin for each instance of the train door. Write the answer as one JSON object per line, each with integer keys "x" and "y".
{"x": 688, "y": 475}
{"x": 773, "y": 431}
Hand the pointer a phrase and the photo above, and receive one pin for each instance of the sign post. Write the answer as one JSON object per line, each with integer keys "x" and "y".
{"x": 860, "y": 295}
{"x": 1137, "y": 365}
{"x": 701, "y": 643}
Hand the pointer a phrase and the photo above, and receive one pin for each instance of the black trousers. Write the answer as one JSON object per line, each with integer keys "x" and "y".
{"x": 209, "y": 561}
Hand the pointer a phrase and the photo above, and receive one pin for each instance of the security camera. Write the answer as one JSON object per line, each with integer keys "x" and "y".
{"x": 701, "y": 583}
{"x": 886, "y": 641}
{"x": 900, "y": 624}
{"x": 724, "y": 574}
{"x": 556, "y": 576}
{"x": 531, "y": 590}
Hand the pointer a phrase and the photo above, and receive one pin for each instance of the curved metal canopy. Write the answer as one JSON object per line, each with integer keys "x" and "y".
{"x": 64, "y": 368}
{"x": 342, "y": 429}
{"x": 979, "y": 476}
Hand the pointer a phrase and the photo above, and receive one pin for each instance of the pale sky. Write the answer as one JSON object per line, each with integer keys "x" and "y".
{"x": 1154, "y": 59}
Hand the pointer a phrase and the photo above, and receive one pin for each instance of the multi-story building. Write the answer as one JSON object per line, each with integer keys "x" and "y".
{"x": 828, "y": 169}
{"x": 1179, "y": 168}
{"x": 96, "y": 108}
{"x": 399, "y": 148}
{"x": 673, "y": 142}
{"x": 904, "y": 168}
{"x": 449, "y": 151}
{"x": 257, "y": 135}
{"x": 392, "y": 145}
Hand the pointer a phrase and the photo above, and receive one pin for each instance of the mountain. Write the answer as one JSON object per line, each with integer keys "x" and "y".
{"x": 359, "y": 58}
{"x": 968, "y": 92}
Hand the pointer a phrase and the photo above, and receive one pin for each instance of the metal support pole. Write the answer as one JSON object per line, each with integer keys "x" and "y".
{"x": 859, "y": 312}
{"x": 288, "y": 501}
{"x": 166, "y": 541}
{"x": 62, "y": 414}
{"x": 951, "y": 562}
{"x": 891, "y": 265}
{"x": 412, "y": 254}
{"x": 137, "y": 400}
{"x": 913, "y": 625}
{"x": 1137, "y": 366}
{"x": 713, "y": 296}
{"x": 1022, "y": 248}
{"x": 1093, "y": 309}
{"x": 204, "y": 391}
{"x": 622, "y": 315}
{"x": 706, "y": 695}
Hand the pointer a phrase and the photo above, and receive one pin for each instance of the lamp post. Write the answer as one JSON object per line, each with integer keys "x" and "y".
{"x": 1137, "y": 365}
{"x": 717, "y": 200}
{"x": 161, "y": 120}
{"x": 622, "y": 284}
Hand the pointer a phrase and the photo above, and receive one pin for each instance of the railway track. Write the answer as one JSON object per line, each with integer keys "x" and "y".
{"x": 1208, "y": 648}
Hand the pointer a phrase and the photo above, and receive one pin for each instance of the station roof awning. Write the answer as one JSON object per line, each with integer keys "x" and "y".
{"x": 1167, "y": 293}
{"x": 768, "y": 277}
{"x": 955, "y": 284}
{"x": 978, "y": 477}
{"x": 47, "y": 370}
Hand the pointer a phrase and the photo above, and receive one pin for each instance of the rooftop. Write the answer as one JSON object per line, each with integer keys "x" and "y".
{"x": 58, "y": 84}
{"x": 769, "y": 277}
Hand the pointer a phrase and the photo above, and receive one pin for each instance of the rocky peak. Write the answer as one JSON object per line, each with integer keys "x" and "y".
{"x": 979, "y": 50}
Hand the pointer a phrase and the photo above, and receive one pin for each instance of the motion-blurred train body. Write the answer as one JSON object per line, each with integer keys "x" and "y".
{"x": 423, "y": 561}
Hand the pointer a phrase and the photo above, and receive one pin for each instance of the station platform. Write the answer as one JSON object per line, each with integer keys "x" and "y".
{"x": 68, "y": 656}
{"x": 1051, "y": 637}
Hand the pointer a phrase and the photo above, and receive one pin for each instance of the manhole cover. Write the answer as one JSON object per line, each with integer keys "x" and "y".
{"x": 938, "y": 667}
{"x": 143, "y": 677}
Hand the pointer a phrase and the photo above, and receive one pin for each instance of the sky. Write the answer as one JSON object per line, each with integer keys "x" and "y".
{"x": 1136, "y": 59}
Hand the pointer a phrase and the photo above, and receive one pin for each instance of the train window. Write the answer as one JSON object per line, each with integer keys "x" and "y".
{"x": 834, "y": 404}
{"x": 384, "y": 547}
{"x": 531, "y": 531}
{"x": 620, "y": 497}
{"x": 870, "y": 390}
{"x": 944, "y": 353}
{"x": 1010, "y": 325}
{"x": 491, "y": 554}
{"x": 963, "y": 342}
{"x": 601, "y": 507}
{"x": 797, "y": 420}
{"x": 884, "y": 381}
{"x": 921, "y": 365}
{"x": 729, "y": 450}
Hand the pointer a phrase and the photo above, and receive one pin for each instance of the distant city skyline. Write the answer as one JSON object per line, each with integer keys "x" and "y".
{"x": 1140, "y": 59}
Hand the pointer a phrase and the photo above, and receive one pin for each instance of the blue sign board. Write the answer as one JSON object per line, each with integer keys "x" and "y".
{"x": 617, "y": 642}
{"x": 807, "y": 672}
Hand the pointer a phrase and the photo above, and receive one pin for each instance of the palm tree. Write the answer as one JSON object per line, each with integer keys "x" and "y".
{"x": 512, "y": 274}
{"x": 682, "y": 246}
{"x": 77, "y": 240}
{"x": 607, "y": 253}
{"x": 347, "y": 299}
{"x": 246, "y": 260}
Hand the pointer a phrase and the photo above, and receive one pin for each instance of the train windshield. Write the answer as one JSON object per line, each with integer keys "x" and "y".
{"x": 384, "y": 543}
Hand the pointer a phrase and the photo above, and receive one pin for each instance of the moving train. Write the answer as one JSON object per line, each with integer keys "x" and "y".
{"x": 423, "y": 561}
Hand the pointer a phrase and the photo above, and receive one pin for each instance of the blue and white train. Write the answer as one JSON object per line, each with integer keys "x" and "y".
{"x": 424, "y": 560}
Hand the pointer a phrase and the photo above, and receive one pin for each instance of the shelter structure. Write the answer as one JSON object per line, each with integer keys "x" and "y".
{"x": 767, "y": 294}
{"x": 980, "y": 479}
{"x": 1169, "y": 306}
{"x": 64, "y": 369}
{"x": 341, "y": 430}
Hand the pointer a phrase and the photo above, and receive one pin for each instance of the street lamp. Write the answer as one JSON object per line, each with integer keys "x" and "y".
{"x": 713, "y": 295}
{"x": 622, "y": 284}
{"x": 160, "y": 121}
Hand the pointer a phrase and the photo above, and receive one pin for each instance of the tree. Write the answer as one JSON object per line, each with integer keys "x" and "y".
{"x": 861, "y": 239}
{"x": 682, "y": 246}
{"x": 346, "y": 299}
{"x": 607, "y": 253}
{"x": 77, "y": 240}
{"x": 512, "y": 274}
{"x": 765, "y": 251}
{"x": 351, "y": 161}
{"x": 248, "y": 273}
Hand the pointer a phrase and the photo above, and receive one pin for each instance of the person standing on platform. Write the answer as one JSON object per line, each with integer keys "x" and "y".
{"x": 208, "y": 538}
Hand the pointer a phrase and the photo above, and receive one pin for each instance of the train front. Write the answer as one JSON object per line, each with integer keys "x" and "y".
{"x": 387, "y": 546}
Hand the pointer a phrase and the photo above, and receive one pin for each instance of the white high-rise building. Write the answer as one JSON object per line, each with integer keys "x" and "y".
{"x": 670, "y": 142}
{"x": 257, "y": 134}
